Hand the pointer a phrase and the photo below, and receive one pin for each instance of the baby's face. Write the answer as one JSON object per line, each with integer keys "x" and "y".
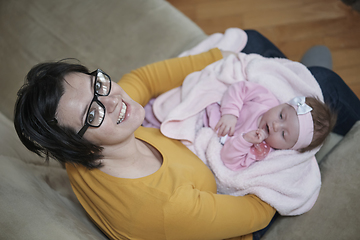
{"x": 281, "y": 123}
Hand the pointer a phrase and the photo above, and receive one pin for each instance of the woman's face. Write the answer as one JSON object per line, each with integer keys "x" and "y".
{"x": 281, "y": 123}
{"x": 73, "y": 106}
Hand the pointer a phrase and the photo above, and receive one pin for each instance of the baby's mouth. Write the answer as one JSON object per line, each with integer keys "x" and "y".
{"x": 122, "y": 113}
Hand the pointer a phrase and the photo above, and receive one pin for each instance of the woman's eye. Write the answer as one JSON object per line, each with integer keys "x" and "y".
{"x": 98, "y": 86}
{"x": 91, "y": 116}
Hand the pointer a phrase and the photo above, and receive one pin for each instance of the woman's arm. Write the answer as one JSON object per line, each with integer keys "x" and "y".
{"x": 154, "y": 79}
{"x": 195, "y": 214}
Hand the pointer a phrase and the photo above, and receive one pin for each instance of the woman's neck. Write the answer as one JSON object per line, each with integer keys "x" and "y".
{"x": 131, "y": 159}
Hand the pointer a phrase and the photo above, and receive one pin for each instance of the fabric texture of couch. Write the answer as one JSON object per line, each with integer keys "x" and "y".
{"x": 36, "y": 200}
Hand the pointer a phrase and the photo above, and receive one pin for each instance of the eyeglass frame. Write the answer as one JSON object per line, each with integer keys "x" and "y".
{"x": 95, "y": 99}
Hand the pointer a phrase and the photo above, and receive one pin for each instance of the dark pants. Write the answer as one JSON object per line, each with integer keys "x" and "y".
{"x": 336, "y": 93}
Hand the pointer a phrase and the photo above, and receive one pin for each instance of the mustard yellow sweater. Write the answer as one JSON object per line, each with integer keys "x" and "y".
{"x": 179, "y": 201}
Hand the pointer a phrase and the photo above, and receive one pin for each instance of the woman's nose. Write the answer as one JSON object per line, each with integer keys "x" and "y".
{"x": 110, "y": 102}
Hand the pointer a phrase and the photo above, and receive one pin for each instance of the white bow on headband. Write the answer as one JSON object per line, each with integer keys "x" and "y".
{"x": 300, "y": 106}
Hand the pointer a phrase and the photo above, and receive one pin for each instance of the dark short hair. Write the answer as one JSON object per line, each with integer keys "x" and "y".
{"x": 35, "y": 121}
{"x": 324, "y": 119}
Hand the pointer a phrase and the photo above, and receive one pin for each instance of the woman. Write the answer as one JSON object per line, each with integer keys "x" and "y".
{"x": 141, "y": 185}
{"x": 133, "y": 182}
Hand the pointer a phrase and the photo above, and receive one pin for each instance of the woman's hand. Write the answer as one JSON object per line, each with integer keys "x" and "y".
{"x": 255, "y": 136}
{"x": 226, "y": 125}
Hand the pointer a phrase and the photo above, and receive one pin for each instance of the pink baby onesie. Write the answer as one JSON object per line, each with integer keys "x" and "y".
{"x": 247, "y": 101}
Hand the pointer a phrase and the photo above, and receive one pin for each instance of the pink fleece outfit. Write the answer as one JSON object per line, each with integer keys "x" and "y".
{"x": 247, "y": 101}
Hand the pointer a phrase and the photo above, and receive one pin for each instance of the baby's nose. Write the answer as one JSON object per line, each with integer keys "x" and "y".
{"x": 276, "y": 126}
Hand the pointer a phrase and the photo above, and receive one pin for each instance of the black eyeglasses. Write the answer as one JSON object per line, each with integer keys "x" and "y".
{"x": 96, "y": 112}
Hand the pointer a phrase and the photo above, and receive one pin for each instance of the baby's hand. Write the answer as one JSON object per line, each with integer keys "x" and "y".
{"x": 255, "y": 136}
{"x": 226, "y": 125}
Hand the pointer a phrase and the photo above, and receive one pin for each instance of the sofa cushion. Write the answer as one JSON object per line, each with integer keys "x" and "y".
{"x": 113, "y": 35}
{"x": 36, "y": 197}
{"x": 335, "y": 215}
{"x": 37, "y": 203}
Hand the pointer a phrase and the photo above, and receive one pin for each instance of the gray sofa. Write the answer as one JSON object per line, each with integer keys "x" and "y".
{"x": 36, "y": 200}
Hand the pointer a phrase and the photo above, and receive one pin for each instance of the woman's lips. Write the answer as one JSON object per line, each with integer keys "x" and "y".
{"x": 122, "y": 113}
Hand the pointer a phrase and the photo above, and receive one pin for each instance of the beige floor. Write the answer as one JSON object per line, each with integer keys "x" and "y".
{"x": 292, "y": 25}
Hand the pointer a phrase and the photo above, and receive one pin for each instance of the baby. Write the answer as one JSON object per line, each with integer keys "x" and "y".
{"x": 255, "y": 123}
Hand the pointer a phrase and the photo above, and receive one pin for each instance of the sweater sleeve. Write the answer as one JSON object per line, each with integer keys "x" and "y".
{"x": 154, "y": 79}
{"x": 195, "y": 214}
{"x": 241, "y": 92}
{"x": 236, "y": 153}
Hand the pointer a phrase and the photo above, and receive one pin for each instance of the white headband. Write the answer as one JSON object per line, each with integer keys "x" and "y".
{"x": 306, "y": 124}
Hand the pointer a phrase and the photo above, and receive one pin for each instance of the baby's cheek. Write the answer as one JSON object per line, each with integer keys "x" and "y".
{"x": 272, "y": 142}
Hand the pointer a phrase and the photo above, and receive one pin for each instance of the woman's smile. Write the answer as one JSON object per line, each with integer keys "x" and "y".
{"x": 122, "y": 114}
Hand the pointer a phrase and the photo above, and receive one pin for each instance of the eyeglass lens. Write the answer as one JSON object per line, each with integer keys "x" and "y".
{"x": 96, "y": 111}
{"x": 95, "y": 115}
{"x": 102, "y": 84}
